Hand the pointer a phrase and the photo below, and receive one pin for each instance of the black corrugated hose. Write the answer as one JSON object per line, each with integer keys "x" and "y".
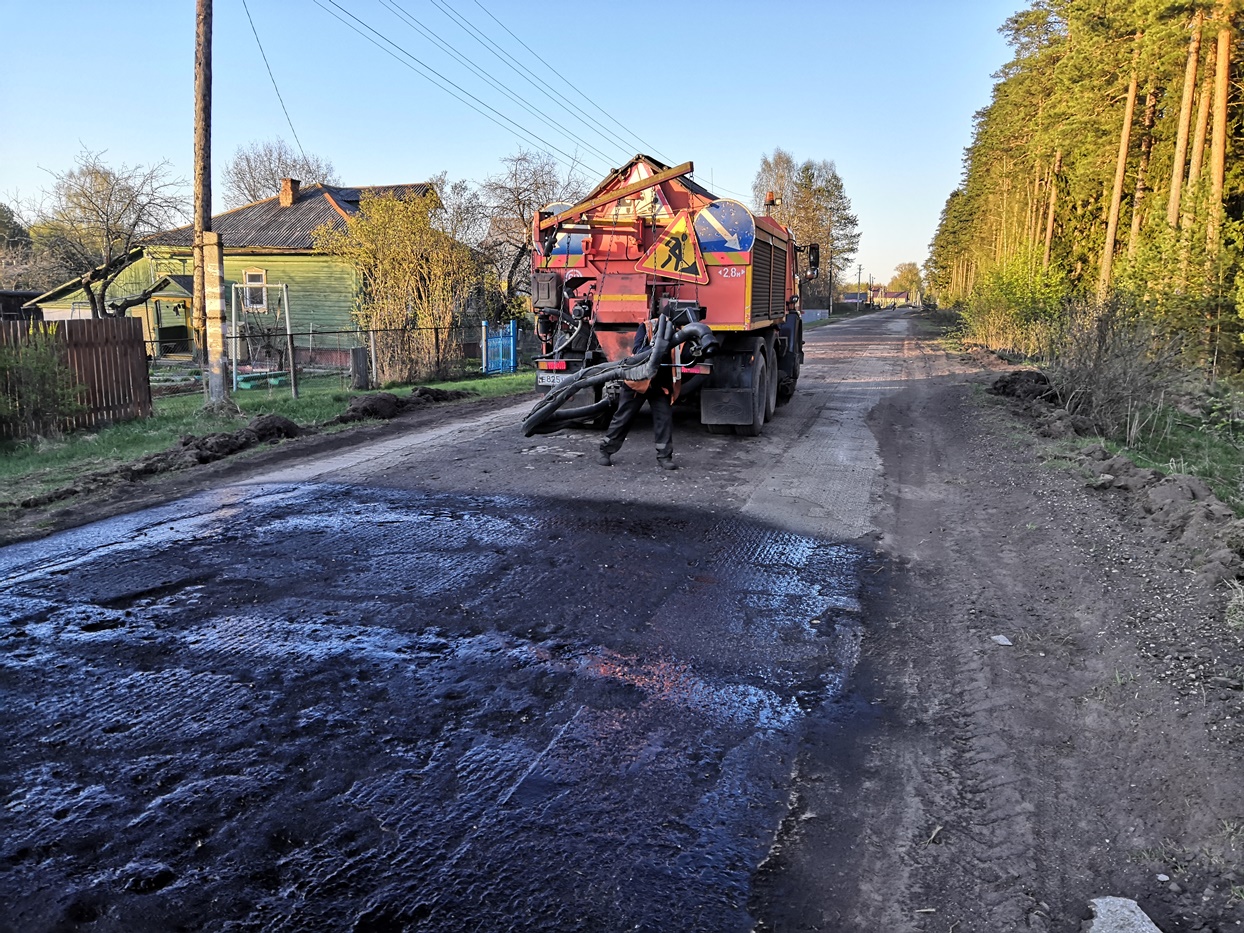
{"x": 636, "y": 368}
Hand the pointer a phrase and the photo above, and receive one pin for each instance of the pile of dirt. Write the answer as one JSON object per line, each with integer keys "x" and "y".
{"x": 1026, "y": 385}
{"x": 386, "y": 405}
{"x": 189, "y": 451}
{"x": 1038, "y": 398}
{"x": 193, "y": 450}
{"x": 1180, "y": 512}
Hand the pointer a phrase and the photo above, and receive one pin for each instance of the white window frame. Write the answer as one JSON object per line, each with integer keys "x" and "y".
{"x": 254, "y": 284}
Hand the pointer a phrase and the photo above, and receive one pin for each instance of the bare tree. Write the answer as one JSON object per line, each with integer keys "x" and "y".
{"x": 256, "y": 170}
{"x": 462, "y": 212}
{"x": 528, "y": 182}
{"x": 21, "y": 266}
{"x": 94, "y": 216}
{"x": 24, "y": 267}
{"x": 813, "y": 203}
{"x": 776, "y": 176}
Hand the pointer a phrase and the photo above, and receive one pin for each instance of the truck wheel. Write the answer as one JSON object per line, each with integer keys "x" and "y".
{"x": 791, "y": 362}
{"x": 760, "y": 395}
{"x": 771, "y": 389}
{"x": 787, "y": 384}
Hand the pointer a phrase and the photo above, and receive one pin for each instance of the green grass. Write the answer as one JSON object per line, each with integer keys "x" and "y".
{"x": 31, "y": 467}
{"x": 492, "y": 386}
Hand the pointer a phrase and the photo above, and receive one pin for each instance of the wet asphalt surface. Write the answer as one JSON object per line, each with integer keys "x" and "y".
{"x": 329, "y": 707}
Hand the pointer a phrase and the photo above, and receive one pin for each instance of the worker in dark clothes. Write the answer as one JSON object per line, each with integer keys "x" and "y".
{"x": 659, "y": 393}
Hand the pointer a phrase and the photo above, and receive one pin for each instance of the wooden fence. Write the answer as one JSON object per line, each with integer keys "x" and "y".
{"x": 109, "y": 361}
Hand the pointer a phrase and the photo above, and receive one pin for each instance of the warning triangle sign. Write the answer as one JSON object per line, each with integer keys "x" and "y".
{"x": 676, "y": 253}
{"x": 650, "y": 202}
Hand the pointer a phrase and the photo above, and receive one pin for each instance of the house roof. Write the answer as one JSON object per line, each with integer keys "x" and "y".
{"x": 179, "y": 286}
{"x": 68, "y": 288}
{"x": 266, "y": 224}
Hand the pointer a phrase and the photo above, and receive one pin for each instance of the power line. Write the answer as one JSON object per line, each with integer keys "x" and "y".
{"x": 514, "y": 65}
{"x": 444, "y": 45}
{"x": 425, "y": 71}
{"x": 737, "y": 194}
{"x": 646, "y": 147}
{"x": 264, "y": 56}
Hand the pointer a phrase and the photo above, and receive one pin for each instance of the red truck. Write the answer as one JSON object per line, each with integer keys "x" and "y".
{"x": 649, "y": 242}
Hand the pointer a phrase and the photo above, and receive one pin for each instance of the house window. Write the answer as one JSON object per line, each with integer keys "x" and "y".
{"x": 256, "y": 296}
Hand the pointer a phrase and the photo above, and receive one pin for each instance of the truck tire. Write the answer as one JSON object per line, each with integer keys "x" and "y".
{"x": 792, "y": 360}
{"x": 760, "y": 395}
{"x": 771, "y": 392}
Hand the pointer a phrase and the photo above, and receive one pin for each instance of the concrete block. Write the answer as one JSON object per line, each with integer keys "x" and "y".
{"x": 1118, "y": 915}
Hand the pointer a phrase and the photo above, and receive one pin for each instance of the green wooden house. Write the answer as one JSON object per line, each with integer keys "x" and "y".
{"x": 268, "y": 253}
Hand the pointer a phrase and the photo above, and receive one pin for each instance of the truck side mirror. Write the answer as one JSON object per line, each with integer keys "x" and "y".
{"x": 814, "y": 256}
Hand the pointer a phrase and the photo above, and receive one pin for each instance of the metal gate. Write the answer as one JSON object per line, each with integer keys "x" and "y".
{"x": 501, "y": 349}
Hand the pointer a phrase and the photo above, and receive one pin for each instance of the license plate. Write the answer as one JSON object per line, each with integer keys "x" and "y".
{"x": 552, "y": 379}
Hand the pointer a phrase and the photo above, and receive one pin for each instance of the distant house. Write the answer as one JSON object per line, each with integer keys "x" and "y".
{"x": 894, "y": 299}
{"x": 267, "y": 243}
{"x": 11, "y": 305}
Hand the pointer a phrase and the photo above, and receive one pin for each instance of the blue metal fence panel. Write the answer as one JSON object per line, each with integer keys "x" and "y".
{"x": 501, "y": 349}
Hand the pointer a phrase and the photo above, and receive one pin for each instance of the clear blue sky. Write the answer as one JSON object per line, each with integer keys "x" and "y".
{"x": 884, "y": 88}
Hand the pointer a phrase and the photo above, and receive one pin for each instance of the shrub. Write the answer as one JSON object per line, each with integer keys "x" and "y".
{"x": 1014, "y": 309}
{"x": 1111, "y": 366}
{"x": 38, "y": 391}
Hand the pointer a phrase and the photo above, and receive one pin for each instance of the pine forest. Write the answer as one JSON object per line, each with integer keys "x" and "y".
{"x": 1103, "y": 191}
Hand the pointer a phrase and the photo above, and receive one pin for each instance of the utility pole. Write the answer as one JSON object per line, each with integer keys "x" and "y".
{"x": 859, "y": 287}
{"x": 209, "y": 283}
{"x": 202, "y": 160}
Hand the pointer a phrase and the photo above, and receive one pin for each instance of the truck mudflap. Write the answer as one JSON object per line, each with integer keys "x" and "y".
{"x": 726, "y": 406}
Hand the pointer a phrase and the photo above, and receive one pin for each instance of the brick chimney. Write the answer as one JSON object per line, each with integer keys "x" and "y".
{"x": 289, "y": 191}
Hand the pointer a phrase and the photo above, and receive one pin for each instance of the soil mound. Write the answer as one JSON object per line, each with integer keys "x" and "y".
{"x": 1038, "y": 398}
{"x": 1026, "y": 385}
{"x": 194, "y": 450}
{"x": 1195, "y": 528}
{"x": 274, "y": 427}
{"x": 386, "y": 405}
{"x": 1179, "y": 511}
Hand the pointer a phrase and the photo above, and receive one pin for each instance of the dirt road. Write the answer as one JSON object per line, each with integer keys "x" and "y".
{"x": 455, "y": 678}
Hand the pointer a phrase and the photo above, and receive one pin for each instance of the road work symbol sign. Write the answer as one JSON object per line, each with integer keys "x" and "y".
{"x": 676, "y": 253}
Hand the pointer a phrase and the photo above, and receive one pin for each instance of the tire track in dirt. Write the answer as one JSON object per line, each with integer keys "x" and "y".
{"x": 980, "y": 825}
{"x": 1052, "y": 770}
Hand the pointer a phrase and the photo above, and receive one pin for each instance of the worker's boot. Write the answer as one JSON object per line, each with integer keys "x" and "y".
{"x": 667, "y": 463}
{"x": 604, "y": 459}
